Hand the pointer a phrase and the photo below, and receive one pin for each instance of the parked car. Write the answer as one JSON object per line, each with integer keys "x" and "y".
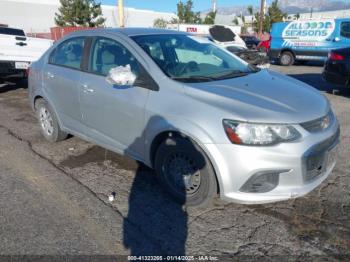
{"x": 223, "y": 34}
{"x": 308, "y": 40}
{"x": 337, "y": 67}
{"x": 18, "y": 51}
{"x": 251, "y": 41}
{"x": 206, "y": 121}
{"x": 253, "y": 57}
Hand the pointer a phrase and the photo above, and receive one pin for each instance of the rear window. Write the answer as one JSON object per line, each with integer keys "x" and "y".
{"x": 11, "y": 31}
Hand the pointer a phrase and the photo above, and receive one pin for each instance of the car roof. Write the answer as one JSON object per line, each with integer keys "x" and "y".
{"x": 130, "y": 31}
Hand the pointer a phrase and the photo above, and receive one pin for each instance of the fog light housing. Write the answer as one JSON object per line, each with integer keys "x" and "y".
{"x": 262, "y": 182}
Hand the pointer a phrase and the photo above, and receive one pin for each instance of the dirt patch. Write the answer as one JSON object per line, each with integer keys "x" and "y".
{"x": 29, "y": 118}
{"x": 98, "y": 154}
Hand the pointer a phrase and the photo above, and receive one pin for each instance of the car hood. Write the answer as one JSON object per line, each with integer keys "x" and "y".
{"x": 265, "y": 96}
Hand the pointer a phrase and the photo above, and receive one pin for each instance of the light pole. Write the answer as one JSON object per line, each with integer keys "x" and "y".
{"x": 121, "y": 13}
{"x": 262, "y": 16}
{"x": 214, "y": 5}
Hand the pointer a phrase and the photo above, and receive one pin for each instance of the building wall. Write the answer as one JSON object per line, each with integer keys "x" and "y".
{"x": 38, "y": 15}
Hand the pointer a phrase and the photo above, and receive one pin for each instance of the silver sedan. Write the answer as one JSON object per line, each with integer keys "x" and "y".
{"x": 205, "y": 120}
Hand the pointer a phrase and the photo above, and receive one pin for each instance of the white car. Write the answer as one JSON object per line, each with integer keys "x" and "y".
{"x": 17, "y": 51}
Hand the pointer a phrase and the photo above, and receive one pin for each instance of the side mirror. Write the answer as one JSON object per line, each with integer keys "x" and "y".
{"x": 336, "y": 39}
{"x": 121, "y": 76}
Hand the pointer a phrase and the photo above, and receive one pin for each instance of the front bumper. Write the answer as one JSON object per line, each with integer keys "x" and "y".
{"x": 235, "y": 165}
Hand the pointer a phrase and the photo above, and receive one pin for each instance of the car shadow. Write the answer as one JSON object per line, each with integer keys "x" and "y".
{"x": 161, "y": 221}
{"x": 316, "y": 81}
{"x": 11, "y": 84}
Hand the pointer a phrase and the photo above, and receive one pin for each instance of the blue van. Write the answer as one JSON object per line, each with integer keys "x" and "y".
{"x": 308, "y": 40}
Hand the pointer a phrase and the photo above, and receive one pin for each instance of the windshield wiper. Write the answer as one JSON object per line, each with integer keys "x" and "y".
{"x": 231, "y": 74}
{"x": 194, "y": 78}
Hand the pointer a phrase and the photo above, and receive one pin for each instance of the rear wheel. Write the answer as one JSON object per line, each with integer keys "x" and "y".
{"x": 286, "y": 58}
{"x": 49, "y": 125}
{"x": 185, "y": 171}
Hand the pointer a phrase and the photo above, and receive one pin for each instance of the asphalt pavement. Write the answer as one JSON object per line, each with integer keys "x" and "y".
{"x": 54, "y": 199}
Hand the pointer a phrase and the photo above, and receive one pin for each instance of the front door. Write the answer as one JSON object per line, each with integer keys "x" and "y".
{"x": 114, "y": 115}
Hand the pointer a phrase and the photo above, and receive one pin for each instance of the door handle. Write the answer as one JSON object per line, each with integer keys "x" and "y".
{"x": 86, "y": 89}
{"x": 21, "y": 43}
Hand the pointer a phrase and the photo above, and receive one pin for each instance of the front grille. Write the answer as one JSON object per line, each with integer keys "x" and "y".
{"x": 315, "y": 158}
{"x": 320, "y": 123}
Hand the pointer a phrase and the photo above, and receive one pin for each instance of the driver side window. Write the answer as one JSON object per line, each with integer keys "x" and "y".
{"x": 107, "y": 54}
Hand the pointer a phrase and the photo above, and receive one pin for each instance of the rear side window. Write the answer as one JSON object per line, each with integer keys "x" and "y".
{"x": 69, "y": 53}
{"x": 11, "y": 31}
{"x": 345, "y": 29}
{"x": 108, "y": 54}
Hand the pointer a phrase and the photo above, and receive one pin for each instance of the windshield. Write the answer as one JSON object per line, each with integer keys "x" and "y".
{"x": 191, "y": 59}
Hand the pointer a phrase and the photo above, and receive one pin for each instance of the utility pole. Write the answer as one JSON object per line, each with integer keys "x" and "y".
{"x": 121, "y": 13}
{"x": 214, "y": 5}
{"x": 262, "y": 16}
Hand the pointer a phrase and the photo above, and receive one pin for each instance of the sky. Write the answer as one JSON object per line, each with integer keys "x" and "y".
{"x": 170, "y": 5}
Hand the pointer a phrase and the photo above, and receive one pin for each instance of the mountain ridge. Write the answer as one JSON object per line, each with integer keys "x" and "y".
{"x": 291, "y": 7}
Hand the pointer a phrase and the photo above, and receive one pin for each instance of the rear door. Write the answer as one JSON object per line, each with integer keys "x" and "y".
{"x": 61, "y": 77}
{"x": 113, "y": 114}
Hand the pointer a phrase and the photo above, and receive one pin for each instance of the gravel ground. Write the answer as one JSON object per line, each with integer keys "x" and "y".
{"x": 315, "y": 225}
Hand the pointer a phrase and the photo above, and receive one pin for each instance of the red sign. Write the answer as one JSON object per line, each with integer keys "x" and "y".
{"x": 191, "y": 29}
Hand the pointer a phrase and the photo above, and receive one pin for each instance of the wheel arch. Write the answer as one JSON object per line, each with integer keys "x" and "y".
{"x": 159, "y": 138}
{"x": 287, "y": 50}
{"x": 35, "y": 99}
{"x": 40, "y": 96}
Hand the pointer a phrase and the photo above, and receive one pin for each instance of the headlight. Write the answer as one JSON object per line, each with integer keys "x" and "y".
{"x": 259, "y": 134}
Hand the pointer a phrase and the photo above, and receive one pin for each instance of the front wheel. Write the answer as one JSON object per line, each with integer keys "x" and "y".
{"x": 185, "y": 171}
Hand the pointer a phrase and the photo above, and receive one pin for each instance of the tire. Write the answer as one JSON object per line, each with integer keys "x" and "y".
{"x": 176, "y": 156}
{"x": 286, "y": 58}
{"x": 48, "y": 123}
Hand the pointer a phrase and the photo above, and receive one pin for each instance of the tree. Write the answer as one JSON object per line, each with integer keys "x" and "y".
{"x": 160, "y": 23}
{"x": 251, "y": 12}
{"x": 79, "y": 13}
{"x": 210, "y": 18}
{"x": 186, "y": 15}
{"x": 274, "y": 15}
{"x": 297, "y": 16}
{"x": 235, "y": 21}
